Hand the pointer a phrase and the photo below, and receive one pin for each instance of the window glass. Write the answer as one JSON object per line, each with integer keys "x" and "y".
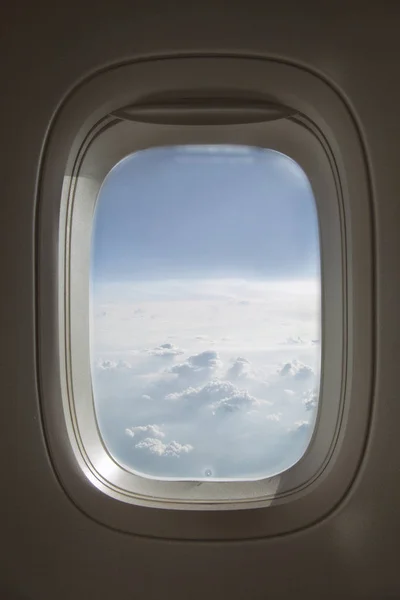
{"x": 205, "y": 312}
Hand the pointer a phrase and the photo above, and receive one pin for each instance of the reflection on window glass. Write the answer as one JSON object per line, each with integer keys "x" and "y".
{"x": 205, "y": 312}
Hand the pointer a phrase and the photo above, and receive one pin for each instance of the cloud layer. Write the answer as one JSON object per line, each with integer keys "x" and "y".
{"x": 223, "y": 387}
{"x": 166, "y": 349}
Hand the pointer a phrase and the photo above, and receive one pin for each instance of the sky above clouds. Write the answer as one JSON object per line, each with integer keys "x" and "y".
{"x": 205, "y": 316}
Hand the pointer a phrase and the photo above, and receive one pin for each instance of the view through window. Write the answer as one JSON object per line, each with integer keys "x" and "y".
{"x": 205, "y": 312}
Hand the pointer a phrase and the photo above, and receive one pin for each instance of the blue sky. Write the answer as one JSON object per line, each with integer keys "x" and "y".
{"x": 199, "y": 212}
{"x": 205, "y": 312}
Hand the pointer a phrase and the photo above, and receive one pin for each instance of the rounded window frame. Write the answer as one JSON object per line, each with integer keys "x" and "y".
{"x": 76, "y": 164}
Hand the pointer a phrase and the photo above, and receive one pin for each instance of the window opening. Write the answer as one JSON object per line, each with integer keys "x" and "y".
{"x": 205, "y": 312}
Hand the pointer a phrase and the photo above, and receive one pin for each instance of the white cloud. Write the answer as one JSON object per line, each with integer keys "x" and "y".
{"x": 219, "y": 396}
{"x": 141, "y": 430}
{"x": 108, "y": 365}
{"x": 214, "y": 390}
{"x": 149, "y": 437}
{"x": 156, "y": 446}
{"x": 297, "y": 370}
{"x": 198, "y": 364}
{"x": 274, "y": 417}
{"x": 208, "y": 359}
{"x": 289, "y": 392}
{"x": 166, "y": 350}
{"x": 310, "y": 399}
{"x": 295, "y": 341}
{"x": 301, "y": 425}
{"x": 235, "y": 402}
{"x": 123, "y": 364}
{"x": 240, "y": 369}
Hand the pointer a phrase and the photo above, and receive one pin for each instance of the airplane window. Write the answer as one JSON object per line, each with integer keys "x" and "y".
{"x": 205, "y": 312}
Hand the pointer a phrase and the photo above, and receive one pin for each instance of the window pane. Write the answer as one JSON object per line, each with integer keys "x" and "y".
{"x": 205, "y": 312}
